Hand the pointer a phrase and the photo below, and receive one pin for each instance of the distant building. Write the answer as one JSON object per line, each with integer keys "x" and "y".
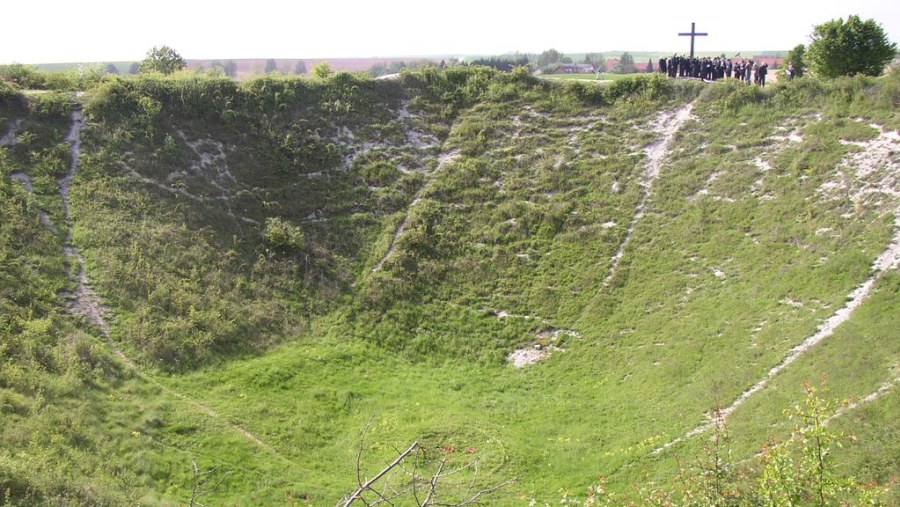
{"x": 613, "y": 63}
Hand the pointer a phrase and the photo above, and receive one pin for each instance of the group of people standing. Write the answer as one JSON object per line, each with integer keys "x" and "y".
{"x": 712, "y": 69}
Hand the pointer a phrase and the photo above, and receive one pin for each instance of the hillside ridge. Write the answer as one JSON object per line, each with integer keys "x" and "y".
{"x": 556, "y": 281}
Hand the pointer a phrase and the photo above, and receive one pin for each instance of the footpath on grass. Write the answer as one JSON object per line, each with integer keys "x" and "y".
{"x": 86, "y": 303}
{"x": 874, "y": 155}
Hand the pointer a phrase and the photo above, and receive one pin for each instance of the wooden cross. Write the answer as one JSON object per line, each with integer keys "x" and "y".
{"x": 692, "y": 35}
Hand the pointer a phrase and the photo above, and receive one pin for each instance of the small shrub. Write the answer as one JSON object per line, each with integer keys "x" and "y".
{"x": 55, "y": 106}
{"x": 282, "y": 236}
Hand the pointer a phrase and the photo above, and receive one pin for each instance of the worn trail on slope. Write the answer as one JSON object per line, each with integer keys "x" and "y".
{"x": 87, "y": 303}
{"x": 888, "y": 260}
{"x": 443, "y": 160}
{"x": 666, "y": 124}
{"x": 878, "y": 393}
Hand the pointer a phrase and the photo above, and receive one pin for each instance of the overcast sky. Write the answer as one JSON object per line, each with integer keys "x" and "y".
{"x": 42, "y": 31}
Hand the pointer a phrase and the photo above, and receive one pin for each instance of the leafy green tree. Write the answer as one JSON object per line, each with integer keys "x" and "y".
{"x": 395, "y": 67}
{"x": 796, "y": 58}
{"x": 597, "y": 60}
{"x": 134, "y": 68}
{"x": 549, "y": 57}
{"x": 162, "y": 59}
{"x": 848, "y": 48}
{"x": 300, "y": 67}
{"x": 379, "y": 69}
{"x": 322, "y": 70}
{"x": 271, "y": 66}
{"x": 111, "y": 69}
{"x": 230, "y": 68}
{"x": 649, "y": 65}
{"x": 625, "y": 65}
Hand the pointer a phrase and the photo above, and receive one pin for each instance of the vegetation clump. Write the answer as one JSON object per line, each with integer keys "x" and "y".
{"x": 848, "y": 48}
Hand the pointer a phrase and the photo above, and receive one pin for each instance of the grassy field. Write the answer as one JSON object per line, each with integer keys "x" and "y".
{"x": 303, "y": 270}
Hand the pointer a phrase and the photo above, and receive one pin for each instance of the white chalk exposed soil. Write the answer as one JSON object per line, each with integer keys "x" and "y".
{"x": 874, "y": 169}
{"x": 878, "y": 393}
{"x": 85, "y": 302}
{"x": 9, "y": 139}
{"x": 443, "y": 159}
{"x": 27, "y": 184}
{"x": 525, "y": 357}
{"x": 665, "y": 126}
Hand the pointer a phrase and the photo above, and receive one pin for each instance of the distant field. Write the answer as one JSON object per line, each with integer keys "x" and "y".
{"x": 62, "y": 67}
{"x": 605, "y": 76}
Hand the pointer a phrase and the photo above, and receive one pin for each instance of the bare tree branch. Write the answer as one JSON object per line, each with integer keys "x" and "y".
{"x": 362, "y": 439}
{"x": 429, "y": 469}
{"x": 357, "y": 494}
{"x": 477, "y": 495}
{"x": 434, "y": 481}
{"x": 200, "y": 483}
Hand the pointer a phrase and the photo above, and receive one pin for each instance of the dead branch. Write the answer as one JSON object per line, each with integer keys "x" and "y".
{"x": 202, "y": 483}
{"x": 357, "y": 494}
{"x": 418, "y": 482}
{"x": 434, "y": 481}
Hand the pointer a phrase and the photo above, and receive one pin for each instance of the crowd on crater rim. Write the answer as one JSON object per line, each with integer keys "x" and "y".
{"x": 712, "y": 69}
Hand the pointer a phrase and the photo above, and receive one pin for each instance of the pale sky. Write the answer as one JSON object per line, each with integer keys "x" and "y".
{"x": 55, "y": 31}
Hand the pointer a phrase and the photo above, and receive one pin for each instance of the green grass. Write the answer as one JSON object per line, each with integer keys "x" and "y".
{"x": 284, "y": 330}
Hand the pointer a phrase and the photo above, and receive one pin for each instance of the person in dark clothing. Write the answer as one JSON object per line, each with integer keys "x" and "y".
{"x": 761, "y": 74}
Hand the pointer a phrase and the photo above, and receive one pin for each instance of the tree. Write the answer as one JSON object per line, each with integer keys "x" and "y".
{"x": 625, "y": 65}
{"x": 396, "y": 66}
{"x": 796, "y": 58}
{"x": 162, "y": 59}
{"x": 217, "y": 67}
{"x": 111, "y": 69}
{"x": 600, "y": 63}
{"x": 848, "y": 48}
{"x": 322, "y": 70}
{"x": 300, "y": 67}
{"x": 649, "y": 65}
{"x": 230, "y": 68}
{"x": 271, "y": 66}
{"x": 548, "y": 57}
{"x": 135, "y": 68}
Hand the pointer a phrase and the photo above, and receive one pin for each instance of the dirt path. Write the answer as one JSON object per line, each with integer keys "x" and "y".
{"x": 85, "y": 302}
{"x": 443, "y": 160}
{"x": 875, "y": 154}
{"x": 28, "y": 185}
{"x": 878, "y": 393}
{"x": 9, "y": 139}
{"x": 665, "y": 125}
{"x": 889, "y": 259}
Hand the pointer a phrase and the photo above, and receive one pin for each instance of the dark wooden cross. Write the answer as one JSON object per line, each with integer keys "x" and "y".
{"x": 692, "y": 35}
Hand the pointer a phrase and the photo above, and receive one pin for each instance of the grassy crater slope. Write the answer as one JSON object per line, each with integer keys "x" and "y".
{"x": 285, "y": 262}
